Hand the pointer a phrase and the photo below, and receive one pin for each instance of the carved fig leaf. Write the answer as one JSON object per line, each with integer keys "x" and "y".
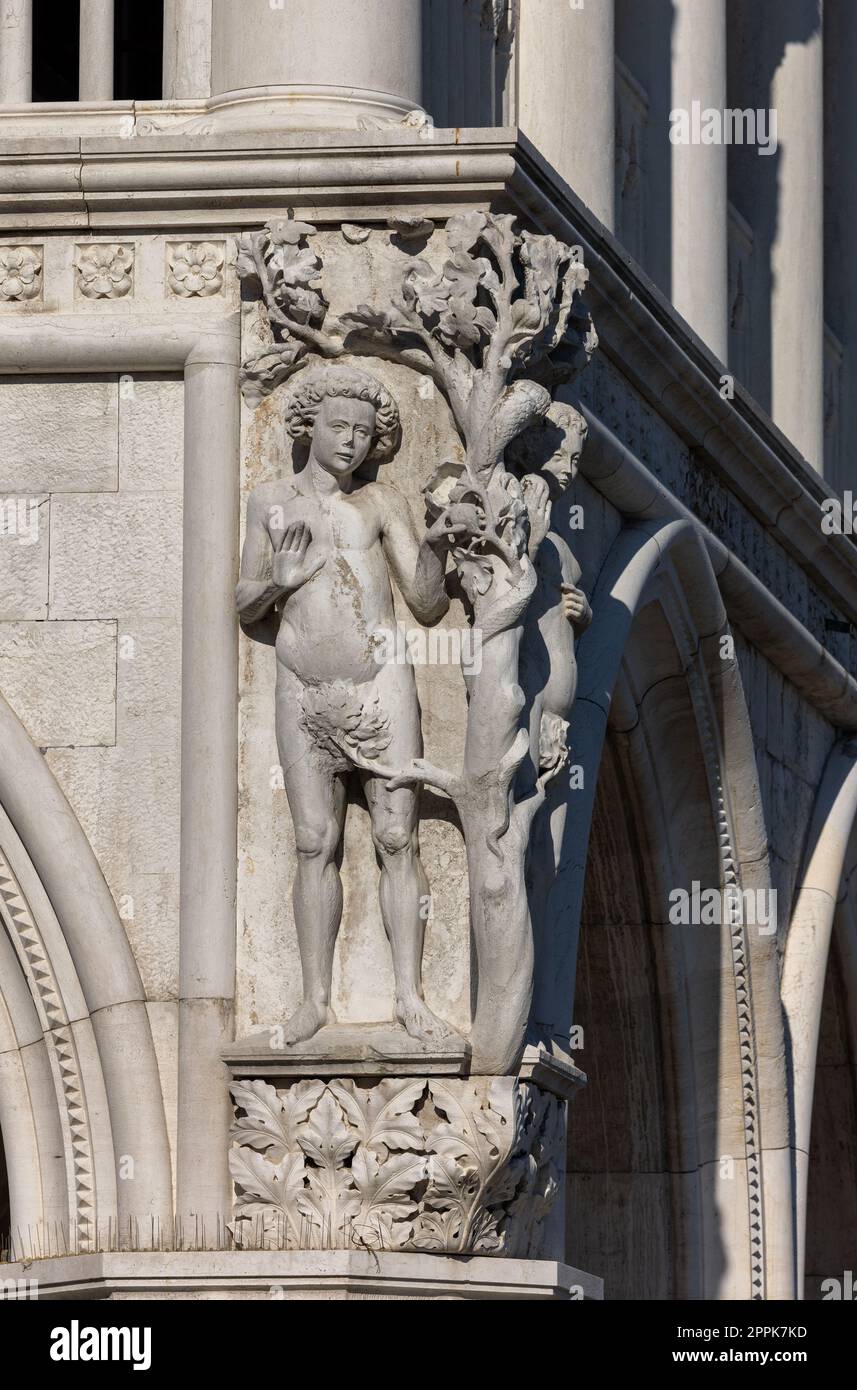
{"x": 542, "y": 257}
{"x": 475, "y": 572}
{"x": 424, "y": 289}
{"x": 269, "y": 368}
{"x": 382, "y": 1114}
{"x": 370, "y": 320}
{"x": 464, "y": 229}
{"x": 245, "y": 263}
{"x": 343, "y": 722}
{"x": 287, "y": 231}
{"x": 500, "y": 235}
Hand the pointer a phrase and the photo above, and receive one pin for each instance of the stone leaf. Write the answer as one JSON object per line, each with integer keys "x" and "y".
{"x": 382, "y": 1114}
{"x": 265, "y": 1184}
{"x": 269, "y": 368}
{"x": 341, "y": 721}
{"x": 475, "y": 1135}
{"x": 262, "y": 1126}
{"x": 389, "y": 1184}
{"x": 329, "y": 1205}
{"x": 438, "y": 1230}
{"x": 272, "y": 1120}
{"x": 326, "y": 1139}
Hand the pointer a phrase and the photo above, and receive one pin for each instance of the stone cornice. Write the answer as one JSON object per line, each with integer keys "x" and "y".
{"x": 183, "y": 178}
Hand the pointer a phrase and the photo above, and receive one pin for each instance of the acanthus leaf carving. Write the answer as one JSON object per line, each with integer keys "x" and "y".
{"x": 404, "y": 1163}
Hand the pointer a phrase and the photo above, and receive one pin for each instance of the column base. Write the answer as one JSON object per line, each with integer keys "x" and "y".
{"x": 363, "y": 1139}
{"x": 297, "y": 1274}
{"x": 304, "y": 107}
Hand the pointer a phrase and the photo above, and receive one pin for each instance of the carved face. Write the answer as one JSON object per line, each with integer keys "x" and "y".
{"x": 342, "y": 434}
{"x": 563, "y": 462}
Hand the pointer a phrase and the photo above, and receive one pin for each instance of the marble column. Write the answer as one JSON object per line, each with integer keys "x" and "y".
{"x": 96, "y": 50}
{"x": 699, "y": 200}
{"x": 319, "y": 63}
{"x": 209, "y": 787}
{"x": 797, "y": 251}
{"x": 840, "y": 195}
{"x": 16, "y": 52}
{"x": 565, "y": 93}
{"x": 187, "y": 49}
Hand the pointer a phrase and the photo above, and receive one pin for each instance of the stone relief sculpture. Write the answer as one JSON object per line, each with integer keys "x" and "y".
{"x": 496, "y": 325}
{"x": 321, "y": 549}
{"x": 467, "y": 1167}
{"x": 546, "y": 458}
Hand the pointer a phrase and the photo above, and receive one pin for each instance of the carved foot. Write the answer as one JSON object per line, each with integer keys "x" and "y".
{"x": 306, "y": 1021}
{"x": 417, "y": 1019}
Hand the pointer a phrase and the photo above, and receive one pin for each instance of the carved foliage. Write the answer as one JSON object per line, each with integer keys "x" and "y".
{"x": 344, "y": 724}
{"x": 402, "y": 1164}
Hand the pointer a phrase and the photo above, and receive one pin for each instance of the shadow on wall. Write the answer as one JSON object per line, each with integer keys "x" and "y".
{"x": 467, "y": 63}
{"x": 831, "y": 1216}
{"x": 645, "y": 1190}
{"x": 755, "y": 51}
{"x": 643, "y": 150}
{"x": 5, "y": 1216}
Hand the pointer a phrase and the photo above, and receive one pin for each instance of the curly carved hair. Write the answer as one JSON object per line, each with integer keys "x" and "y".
{"x": 305, "y": 401}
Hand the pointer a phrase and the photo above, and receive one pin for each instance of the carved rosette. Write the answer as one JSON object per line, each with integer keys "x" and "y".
{"x": 422, "y": 1164}
{"x": 195, "y": 268}
{"x": 20, "y": 273}
{"x": 105, "y": 270}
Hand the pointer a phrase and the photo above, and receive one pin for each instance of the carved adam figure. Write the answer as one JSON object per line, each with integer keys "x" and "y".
{"x": 320, "y": 549}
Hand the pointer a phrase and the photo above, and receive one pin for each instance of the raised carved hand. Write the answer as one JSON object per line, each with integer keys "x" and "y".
{"x": 291, "y": 566}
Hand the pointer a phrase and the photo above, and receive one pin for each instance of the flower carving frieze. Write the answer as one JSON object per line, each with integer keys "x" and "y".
{"x": 20, "y": 273}
{"x": 405, "y": 1164}
{"x": 195, "y": 268}
{"x": 105, "y": 270}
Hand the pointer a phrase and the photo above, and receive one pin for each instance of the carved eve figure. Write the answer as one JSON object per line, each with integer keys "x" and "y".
{"x": 320, "y": 549}
{"x": 548, "y": 454}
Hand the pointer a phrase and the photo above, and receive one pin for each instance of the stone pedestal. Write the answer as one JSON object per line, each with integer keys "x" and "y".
{"x": 361, "y": 1140}
{"x": 297, "y": 1274}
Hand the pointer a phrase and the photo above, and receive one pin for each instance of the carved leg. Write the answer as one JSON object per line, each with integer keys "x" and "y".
{"x": 404, "y": 895}
{"x": 317, "y": 804}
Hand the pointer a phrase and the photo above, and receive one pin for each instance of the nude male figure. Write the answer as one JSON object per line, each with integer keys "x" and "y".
{"x": 320, "y": 549}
